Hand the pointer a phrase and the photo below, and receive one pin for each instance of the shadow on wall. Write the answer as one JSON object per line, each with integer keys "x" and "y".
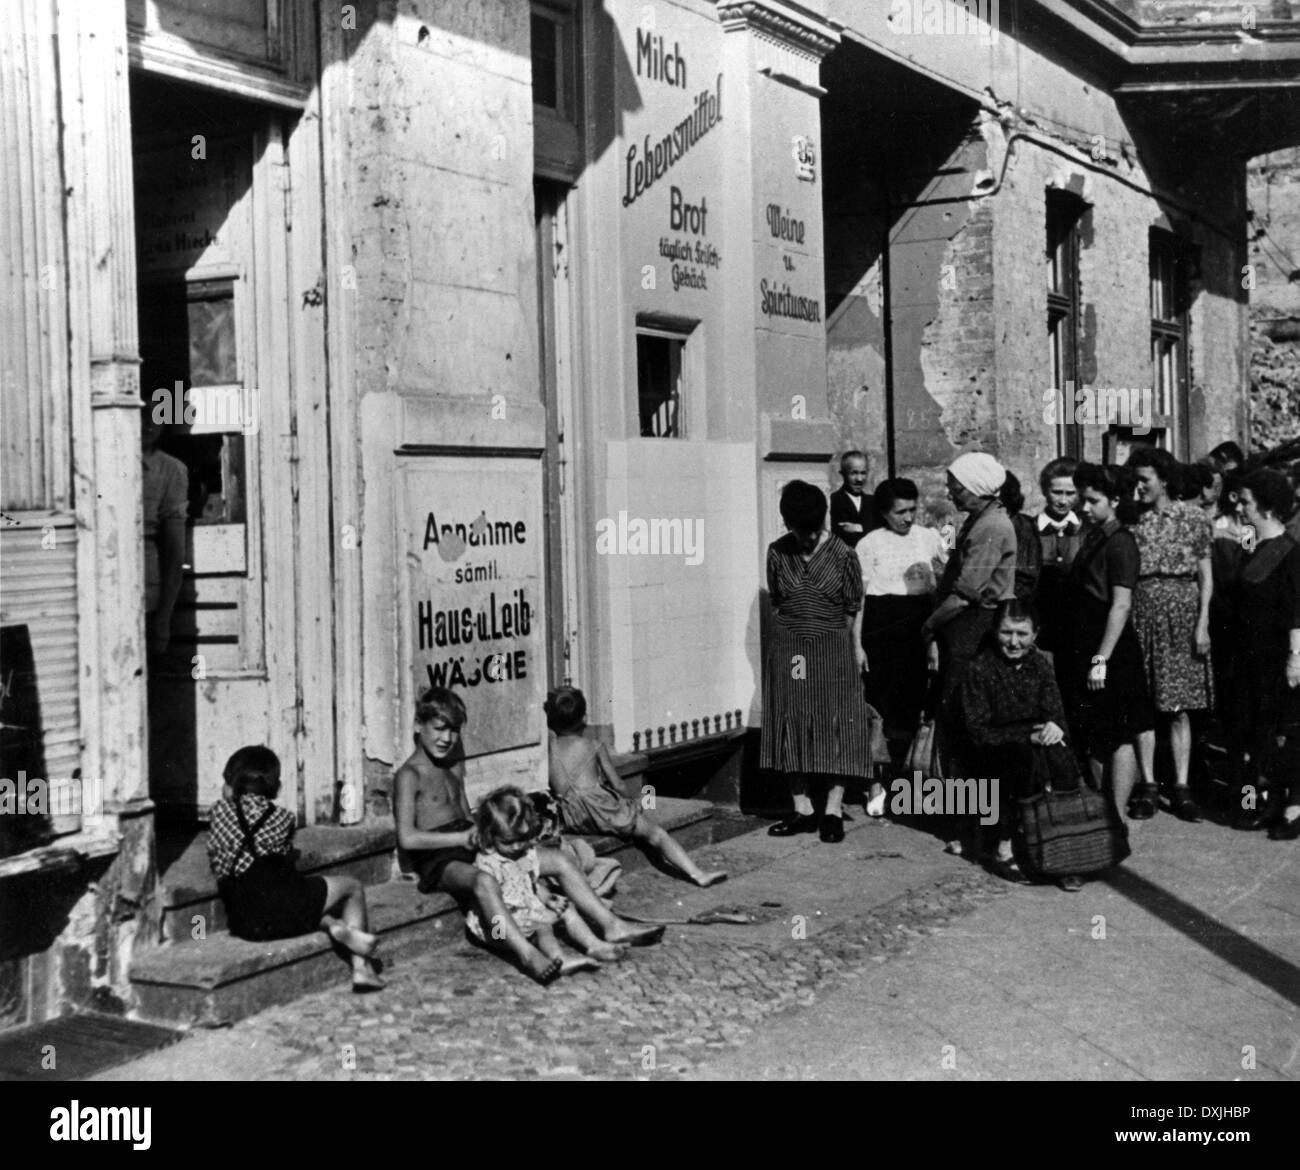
{"x": 897, "y": 177}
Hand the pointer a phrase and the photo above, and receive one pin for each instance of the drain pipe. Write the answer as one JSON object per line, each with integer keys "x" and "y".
{"x": 887, "y": 314}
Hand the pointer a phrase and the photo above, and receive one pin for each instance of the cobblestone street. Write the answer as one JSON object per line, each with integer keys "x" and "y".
{"x": 830, "y": 924}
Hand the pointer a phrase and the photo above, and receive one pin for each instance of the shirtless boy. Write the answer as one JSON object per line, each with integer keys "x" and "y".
{"x": 435, "y": 832}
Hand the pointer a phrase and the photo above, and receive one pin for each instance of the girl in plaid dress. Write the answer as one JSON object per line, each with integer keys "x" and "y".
{"x": 250, "y": 848}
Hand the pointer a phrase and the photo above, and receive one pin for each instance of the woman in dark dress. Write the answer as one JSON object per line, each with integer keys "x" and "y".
{"x": 1029, "y": 549}
{"x": 1016, "y": 723}
{"x": 1105, "y": 680}
{"x": 1265, "y": 718}
{"x": 815, "y": 719}
{"x": 1226, "y": 552}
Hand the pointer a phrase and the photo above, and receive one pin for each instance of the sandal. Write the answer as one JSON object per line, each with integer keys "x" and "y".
{"x": 1009, "y": 870}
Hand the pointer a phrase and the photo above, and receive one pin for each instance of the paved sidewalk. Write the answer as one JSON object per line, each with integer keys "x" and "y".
{"x": 879, "y": 957}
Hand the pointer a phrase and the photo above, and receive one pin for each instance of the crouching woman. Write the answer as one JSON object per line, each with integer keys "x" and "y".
{"x": 1015, "y": 722}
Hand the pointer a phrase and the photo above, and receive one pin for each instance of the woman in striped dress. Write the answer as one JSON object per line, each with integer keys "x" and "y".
{"x": 815, "y": 719}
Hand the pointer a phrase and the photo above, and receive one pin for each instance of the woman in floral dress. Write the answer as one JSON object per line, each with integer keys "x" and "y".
{"x": 1171, "y": 615}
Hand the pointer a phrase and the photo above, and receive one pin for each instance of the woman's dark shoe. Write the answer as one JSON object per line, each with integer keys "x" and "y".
{"x": 1009, "y": 870}
{"x": 1184, "y": 807}
{"x": 1142, "y": 807}
{"x": 1262, "y": 816}
{"x": 832, "y": 829}
{"x": 1285, "y": 831}
{"x": 801, "y": 823}
{"x": 1072, "y": 884}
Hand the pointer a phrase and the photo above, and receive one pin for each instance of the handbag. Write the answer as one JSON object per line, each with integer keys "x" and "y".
{"x": 1071, "y": 831}
{"x": 924, "y": 755}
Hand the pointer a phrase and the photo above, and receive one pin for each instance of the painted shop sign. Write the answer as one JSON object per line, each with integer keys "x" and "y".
{"x": 656, "y": 154}
{"x": 670, "y": 174}
{"x": 779, "y": 301}
{"x": 475, "y": 557}
{"x": 783, "y": 225}
{"x": 689, "y": 257}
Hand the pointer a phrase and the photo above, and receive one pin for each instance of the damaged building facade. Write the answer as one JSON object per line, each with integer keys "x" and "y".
{"x": 488, "y": 334}
{"x": 1273, "y": 195}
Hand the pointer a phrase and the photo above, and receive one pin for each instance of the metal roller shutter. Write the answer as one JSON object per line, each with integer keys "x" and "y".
{"x": 38, "y": 589}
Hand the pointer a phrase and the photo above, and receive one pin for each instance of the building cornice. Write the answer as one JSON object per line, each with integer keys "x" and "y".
{"x": 786, "y": 24}
{"x": 1138, "y": 43}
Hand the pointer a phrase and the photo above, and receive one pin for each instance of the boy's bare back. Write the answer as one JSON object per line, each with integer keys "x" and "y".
{"x": 580, "y": 758}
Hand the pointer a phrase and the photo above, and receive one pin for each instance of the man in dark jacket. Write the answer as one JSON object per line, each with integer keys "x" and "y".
{"x": 853, "y": 512}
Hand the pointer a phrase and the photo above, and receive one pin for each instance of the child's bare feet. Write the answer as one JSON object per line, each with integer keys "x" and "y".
{"x": 544, "y": 970}
{"x": 571, "y": 964}
{"x": 366, "y": 980}
{"x": 359, "y": 942}
{"x": 705, "y": 880}
{"x": 606, "y": 952}
{"x": 634, "y": 936}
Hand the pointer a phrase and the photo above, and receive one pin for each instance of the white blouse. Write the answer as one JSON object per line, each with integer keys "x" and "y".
{"x": 896, "y": 566}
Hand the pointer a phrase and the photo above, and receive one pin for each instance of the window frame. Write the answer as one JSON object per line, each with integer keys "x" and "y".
{"x": 1065, "y": 214}
{"x": 557, "y": 131}
{"x": 1169, "y": 266}
{"x": 688, "y": 371}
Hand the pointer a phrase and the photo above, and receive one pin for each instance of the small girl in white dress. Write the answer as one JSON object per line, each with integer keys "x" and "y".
{"x": 508, "y": 828}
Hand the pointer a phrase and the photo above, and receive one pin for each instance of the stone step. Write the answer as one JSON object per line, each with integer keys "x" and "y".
{"x": 220, "y": 979}
{"x": 189, "y": 891}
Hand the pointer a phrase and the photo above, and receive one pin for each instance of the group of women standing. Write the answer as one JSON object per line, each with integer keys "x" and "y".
{"x": 909, "y": 623}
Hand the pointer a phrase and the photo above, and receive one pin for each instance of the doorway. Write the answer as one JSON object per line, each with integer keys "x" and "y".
{"x": 211, "y": 228}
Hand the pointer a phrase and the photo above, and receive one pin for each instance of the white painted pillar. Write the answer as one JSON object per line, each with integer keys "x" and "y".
{"x": 100, "y": 209}
{"x": 772, "y": 57}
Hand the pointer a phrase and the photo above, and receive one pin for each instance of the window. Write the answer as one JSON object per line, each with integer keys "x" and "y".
{"x": 1065, "y": 212}
{"x": 557, "y": 145}
{"x": 546, "y": 62}
{"x": 187, "y": 331}
{"x": 1170, "y": 298}
{"x": 661, "y": 374}
{"x": 552, "y": 60}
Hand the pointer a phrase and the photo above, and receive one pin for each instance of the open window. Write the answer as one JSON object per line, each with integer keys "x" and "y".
{"x": 665, "y": 359}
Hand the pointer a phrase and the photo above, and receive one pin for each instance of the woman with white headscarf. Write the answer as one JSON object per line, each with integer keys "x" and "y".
{"x": 980, "y": 574}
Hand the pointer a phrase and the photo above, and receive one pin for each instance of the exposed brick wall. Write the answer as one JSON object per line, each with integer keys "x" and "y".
{"x": 971, "y": 356}
{"x": 1273, "y": 189}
